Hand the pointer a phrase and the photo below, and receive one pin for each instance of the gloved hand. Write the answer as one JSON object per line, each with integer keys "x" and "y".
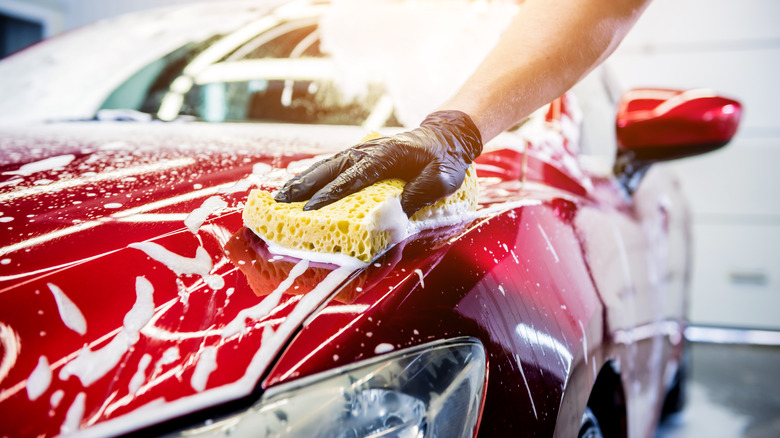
{"x": 433, "y": 159}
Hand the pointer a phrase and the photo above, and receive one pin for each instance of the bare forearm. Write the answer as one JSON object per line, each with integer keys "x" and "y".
{"x": 547, "y": 48}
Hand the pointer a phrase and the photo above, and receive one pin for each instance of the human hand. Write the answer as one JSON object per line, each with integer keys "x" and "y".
{"x": 433, "y": 159}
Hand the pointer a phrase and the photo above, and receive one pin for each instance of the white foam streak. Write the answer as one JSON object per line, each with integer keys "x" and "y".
{"x": 240, "y": 186}
{"x": 384, "y": 348}
{"x": 305, "y": 306}
{"x": 10, "y": 346}
{"x": 420, "y": 274}
{"x": 89, "y": 366}
{"x": 39, "y": 379}
{"x": 52, "y": 163}
{"x": 56, "y": 398}
{"x": 261, "y": 169}
{"x": 140, "y": 374}
{"x": 200, "y": 264}
{"x": 74, "y": 416}
{"x": 69, "y": 312}
{"x": 207, "y": 363}
{"x": 196, "y": 218}
{"x": 334, "y": 259}
{"x": 143, "y": 309}
{"x": 264, "y": 307}
{"x": 169, "y": 356}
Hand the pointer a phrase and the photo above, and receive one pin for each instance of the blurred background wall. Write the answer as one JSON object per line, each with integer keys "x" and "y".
{"x": 732, "y": 47}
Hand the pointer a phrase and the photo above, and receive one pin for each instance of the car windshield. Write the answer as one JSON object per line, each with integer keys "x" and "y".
{"x": 264, "y": 71}
{"x": 244, "y": 63}
{"x": 251, "y": 61}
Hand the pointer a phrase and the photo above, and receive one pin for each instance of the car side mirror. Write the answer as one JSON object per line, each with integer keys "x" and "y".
{"x": 659, "y": 125}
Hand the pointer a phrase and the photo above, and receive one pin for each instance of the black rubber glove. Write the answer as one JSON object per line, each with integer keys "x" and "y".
{"x": 433, "y": 159}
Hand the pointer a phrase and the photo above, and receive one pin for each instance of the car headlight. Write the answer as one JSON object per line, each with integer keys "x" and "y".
{"x": 434, "y": 390}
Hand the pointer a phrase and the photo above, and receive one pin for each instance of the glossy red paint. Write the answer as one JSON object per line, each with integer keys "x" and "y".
{"x": 68, "y": 234}
{"x": 666, "y": 124}
{"x": 535, "y": 276}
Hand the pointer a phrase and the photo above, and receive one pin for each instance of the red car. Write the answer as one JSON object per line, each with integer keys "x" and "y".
{"x": 133, "y": 300}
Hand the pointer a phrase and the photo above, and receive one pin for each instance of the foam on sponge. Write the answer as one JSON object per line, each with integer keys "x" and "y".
{"x": 361, "y": 225}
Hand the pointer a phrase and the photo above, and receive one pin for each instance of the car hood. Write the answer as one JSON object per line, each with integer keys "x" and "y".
{"x": 131, "y": 294}
{"x": 117, "y": 292}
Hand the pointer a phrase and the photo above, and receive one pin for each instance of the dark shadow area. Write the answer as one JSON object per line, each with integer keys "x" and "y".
{"x": 16, "y": 34}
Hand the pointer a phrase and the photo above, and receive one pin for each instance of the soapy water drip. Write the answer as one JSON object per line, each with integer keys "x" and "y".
{"x": 74, "y": 415}
{"x": 39, "y": 379}
{"x": 200, "y": 264}
{"x": 69, "y": 312}
{"x": 264, "y": 307}
{"x": 138, "y": 378}
{"x": 207, "y": 363}
{"x": 198, "y": 216}
{"x": 89, "y": 366}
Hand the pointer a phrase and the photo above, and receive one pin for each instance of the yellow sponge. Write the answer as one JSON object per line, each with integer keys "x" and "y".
{"x": 356, "y": 226}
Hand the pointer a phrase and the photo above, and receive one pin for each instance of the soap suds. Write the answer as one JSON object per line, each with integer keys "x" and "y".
{"x": 195, "y": 219}
{"x": 74, "y": 416}
{"x": 53, "y": 163}
{"x": 333, "y": 259}
{"x": 240, "y": 186}
{"x": 39, "y": 379}
{"x": 390, "y": 218}
{"x": 140, "y": 375}
{"x": 201, "y": 264}
{"x": 70, "y": 314}
{"x": 261, "y": 169}
{"x": 384, "y": 348}
{"x": 261, "y": 309}
{"x": 207, "y": 363}
{"x": 89, "y": 366}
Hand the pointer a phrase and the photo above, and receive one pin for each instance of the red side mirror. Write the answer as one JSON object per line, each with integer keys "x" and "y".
{"x": 657, "y": 125}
